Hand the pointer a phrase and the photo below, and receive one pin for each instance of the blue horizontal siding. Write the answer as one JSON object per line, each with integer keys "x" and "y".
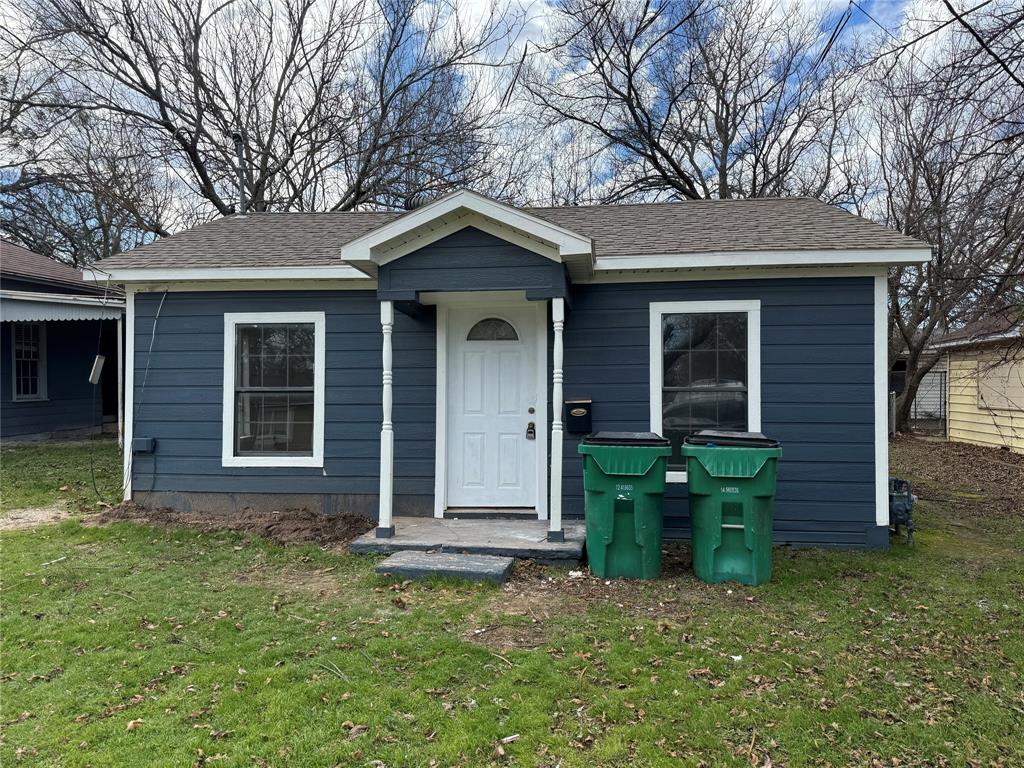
{"x": 71, "y": 402}
{"x": 457, "y": 263}
{"x": 179, "y": 389}
{"x": 817, "y": 395}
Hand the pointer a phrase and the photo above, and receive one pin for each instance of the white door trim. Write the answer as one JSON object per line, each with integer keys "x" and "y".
{"x": 441, "y": 397}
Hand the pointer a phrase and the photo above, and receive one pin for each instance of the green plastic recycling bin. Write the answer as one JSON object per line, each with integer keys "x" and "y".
{"x": 731, "y": 478}
{"x": 624, "y": 482}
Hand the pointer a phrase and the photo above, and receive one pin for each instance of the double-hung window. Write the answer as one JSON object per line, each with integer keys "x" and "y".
{"x": 274, "y": 389}
{"x": 705, "y": 370}
{"x": 28, "y": 353}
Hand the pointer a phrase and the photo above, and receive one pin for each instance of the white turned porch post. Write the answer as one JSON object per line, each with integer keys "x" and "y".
{"x": 385, "y": 526}
{"x": 555, "y": 532}
{"x": 120, "y": 382}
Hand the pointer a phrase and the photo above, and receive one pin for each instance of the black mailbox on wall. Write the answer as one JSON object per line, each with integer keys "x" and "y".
{"x": 578, "y": 416}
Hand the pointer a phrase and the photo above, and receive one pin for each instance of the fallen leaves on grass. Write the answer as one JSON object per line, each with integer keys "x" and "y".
{"x": 354, "y": 731}
{"x": 988, "y": 481}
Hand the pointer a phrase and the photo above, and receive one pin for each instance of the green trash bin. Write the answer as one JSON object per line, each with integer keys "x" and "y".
{"x": 731, "y": 478}
{"x": 624, "y": 482}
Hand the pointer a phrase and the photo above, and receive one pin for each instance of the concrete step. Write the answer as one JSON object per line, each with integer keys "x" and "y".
{"x": 526, "y": 539}
{"x": 424, "y": 565}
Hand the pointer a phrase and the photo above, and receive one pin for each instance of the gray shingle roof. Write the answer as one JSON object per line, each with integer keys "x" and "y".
{"x": 700, "y": 226}
{"x": 16, "y": 261}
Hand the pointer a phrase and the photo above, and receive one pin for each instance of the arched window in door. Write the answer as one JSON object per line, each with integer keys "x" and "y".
{"x": 492, "y": 329}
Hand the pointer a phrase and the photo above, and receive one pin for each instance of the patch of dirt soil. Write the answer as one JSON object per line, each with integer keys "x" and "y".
{"x": 505, "y": 637}
{"x": 320, "y": 583}
{"x": 32, "y": 517}
{"x": 292, "y": 526}
{"x": 978, "y": 480}
{"x": 519, "y": 615}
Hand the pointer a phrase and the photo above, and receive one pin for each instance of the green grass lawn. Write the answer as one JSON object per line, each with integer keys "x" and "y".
{"x": 143, "y": 646}
{"x": 48, "y": 473}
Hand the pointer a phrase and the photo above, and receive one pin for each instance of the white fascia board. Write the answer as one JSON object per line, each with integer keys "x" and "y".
{"x": 62, "y": 298}
{"x": 567, "y": 242}
{"x": 720, "y": 259}
{"x": 976, "y": 340}
{"x": 158, "y": 274}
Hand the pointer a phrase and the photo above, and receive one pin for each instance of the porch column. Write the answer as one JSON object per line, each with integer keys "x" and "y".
{"x": 555, "y": 532}
{"x": 385, "y": 527}
{"x": 120, "y": 381}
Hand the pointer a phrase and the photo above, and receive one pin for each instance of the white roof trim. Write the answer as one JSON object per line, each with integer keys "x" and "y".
{"x": 980, "y": 339}
{"x": 720, "y": 259}
{"x": 147, "y": 274}
{"x": 376, "y": 246}
{"x": 28, "y": 306}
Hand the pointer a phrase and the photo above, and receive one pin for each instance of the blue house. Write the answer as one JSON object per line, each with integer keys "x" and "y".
{"x": 54, "y": 324}
{"x": 419, "y": 363}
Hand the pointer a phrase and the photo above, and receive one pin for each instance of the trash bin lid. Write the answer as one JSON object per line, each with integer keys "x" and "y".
{"x": 733, "y": 439}
{"x": 626, "y": 438}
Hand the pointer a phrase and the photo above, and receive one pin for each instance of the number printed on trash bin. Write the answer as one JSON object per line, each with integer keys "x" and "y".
{"x": 624, "y": 487}
{"x": 730, "y": 489}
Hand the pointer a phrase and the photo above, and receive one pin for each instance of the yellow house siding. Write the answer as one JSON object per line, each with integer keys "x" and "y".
{"x": 969, "y": 420}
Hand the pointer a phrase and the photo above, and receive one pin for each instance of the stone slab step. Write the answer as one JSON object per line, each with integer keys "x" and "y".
{"x": 523, "y": 539}
{"x": 423, "y": 565}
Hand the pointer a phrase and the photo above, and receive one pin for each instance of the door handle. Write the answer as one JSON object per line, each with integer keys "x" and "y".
{"x": 531, "y": 431}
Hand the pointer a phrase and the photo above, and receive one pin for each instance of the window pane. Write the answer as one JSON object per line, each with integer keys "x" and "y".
{"x": 275, "y": 356}
{"x": 249, "y": 371}
{"x": 704, "y": 375}
{"x": 274, "y": 370}
{"x": 675, "y": 332}
{"x": 703, "y": 368}
{"x": 705, "y": 331}
{"x": 690, "y": 411}
{"x": 27, "y": 339}
{"x": 732, "y": 330}
{"x": 492, "y": 329}
{"x": 732, "y": 367}
{"x": 300, "y": 370}
{"x": 677, "y": 369}
{"x": 274, "y": 423}
{"x": 300, "y": 339}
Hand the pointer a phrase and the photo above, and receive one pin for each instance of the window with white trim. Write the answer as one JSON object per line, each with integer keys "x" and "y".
{"x": 705, "y": 370}
{"x": 28, "y": 355}
{"x": 274, "y": 389}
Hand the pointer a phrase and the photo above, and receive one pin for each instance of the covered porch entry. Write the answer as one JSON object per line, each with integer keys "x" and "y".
{"x": 496, "y": 282}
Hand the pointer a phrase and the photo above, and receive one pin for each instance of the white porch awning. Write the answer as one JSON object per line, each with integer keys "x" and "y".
{"x": 28, "y": 306}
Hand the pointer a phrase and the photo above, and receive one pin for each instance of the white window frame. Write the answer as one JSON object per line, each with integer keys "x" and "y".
{"x": 233, "y": 319}
{"x": 41, "y": 391}
{"x": 753, "y": 310}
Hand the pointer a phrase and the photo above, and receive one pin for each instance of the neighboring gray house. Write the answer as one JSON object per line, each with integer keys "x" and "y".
{"x": 54, "y": 325}
{"x": 417, "y": 363}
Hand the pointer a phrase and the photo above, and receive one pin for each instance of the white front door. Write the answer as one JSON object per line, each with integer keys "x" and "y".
{"x": 492, "y": 406}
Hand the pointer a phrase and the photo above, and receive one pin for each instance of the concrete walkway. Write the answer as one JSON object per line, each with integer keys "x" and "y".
{"x": 525, "y": 539}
